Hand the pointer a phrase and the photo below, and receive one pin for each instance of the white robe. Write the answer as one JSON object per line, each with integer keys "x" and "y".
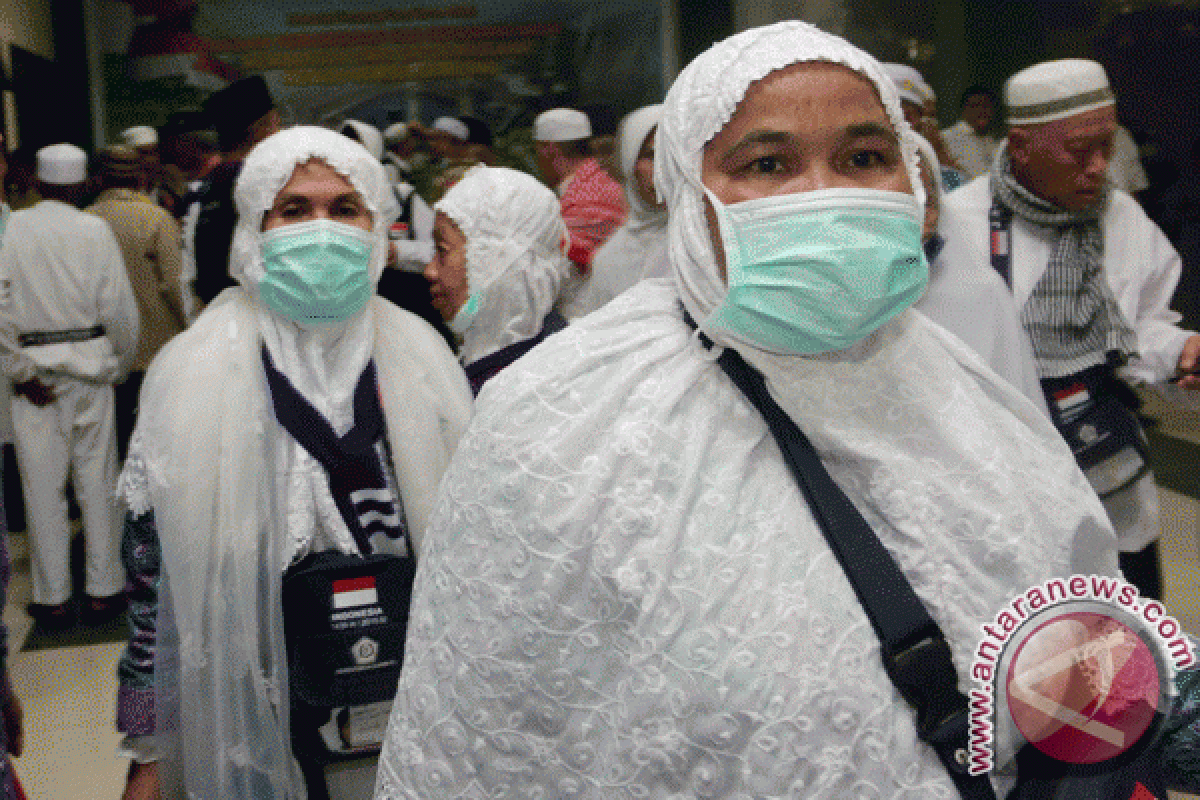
{"x": 972, "y": 302}
{"x": 974, "y": 153}
{"x": 204, "y": 459}
{"x": 61, "y": 269}
{"x": 1141, "y": 267}
{"x": 624, "y": 593}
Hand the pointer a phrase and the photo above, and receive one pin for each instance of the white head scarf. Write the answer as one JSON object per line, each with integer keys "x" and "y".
{"x": 701, "y": 102}
{"x": 516, "y": 254}
{"x": 367, "y": 135}
{"x": 631, "y": 135}
{"x": 322, "y": 362}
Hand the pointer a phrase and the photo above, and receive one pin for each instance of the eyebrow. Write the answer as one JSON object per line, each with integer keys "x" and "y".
{"x": 769, "y": 137}
{"x": 864, "y": 129}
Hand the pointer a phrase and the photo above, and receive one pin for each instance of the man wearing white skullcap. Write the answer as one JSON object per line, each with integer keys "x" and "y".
{"x": 1093, "y": 277}
{"x": 280, "y": 478}
{"x": 144, "y": 139}
{"x": 404, "y": 152}
{"x": 638, "y": 248}
{"x": 68, "y": 332}
{"x": 625, "y": 593}
{"x": 593, "y": 205}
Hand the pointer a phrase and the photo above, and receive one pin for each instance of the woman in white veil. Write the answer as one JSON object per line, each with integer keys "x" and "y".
{"x": 637, "y": 249}
{"x": 625, "y": 593}
{"x": 217, "y": 484}
{"x": 499, "y": 265}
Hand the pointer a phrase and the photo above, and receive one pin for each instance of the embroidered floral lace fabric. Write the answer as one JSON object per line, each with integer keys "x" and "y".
{"x": 623, "y": 594}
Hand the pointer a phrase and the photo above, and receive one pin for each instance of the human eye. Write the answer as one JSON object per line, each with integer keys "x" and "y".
{"x": 764, "y": 165}
{"x": 291, "y": 210}
{"x": 349, "y": 208}
{"x": 867, "y": 159}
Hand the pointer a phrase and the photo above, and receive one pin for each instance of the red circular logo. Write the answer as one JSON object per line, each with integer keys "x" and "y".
{"x": 1083, "y": 687}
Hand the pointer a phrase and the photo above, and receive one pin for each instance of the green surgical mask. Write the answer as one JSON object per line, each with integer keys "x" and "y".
{"x": 316, "y": 272}
{"x": 818, "y": 271}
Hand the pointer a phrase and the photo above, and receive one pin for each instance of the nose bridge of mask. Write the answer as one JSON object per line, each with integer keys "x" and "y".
{"x": 322, "y": 233}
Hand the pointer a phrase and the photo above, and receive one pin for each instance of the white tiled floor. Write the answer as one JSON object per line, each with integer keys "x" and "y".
{"x": 69, "y": 694}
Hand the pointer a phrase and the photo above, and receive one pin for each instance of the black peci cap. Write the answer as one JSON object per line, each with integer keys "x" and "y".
{"x": 235, "y": 108}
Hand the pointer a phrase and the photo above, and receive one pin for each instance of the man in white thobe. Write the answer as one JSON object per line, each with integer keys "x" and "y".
{"x": 969, "y": 141}
{"x": 68, "y": 332}
{"x": 1091, "y": 273}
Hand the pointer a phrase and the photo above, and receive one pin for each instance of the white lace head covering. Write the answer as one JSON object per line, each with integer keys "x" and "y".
{"x": 702, "y": 100}
{"x": 516, "y": 254}
{"x": 269, "y": 167}
{"x": 323, "y": 362}
{"x": 367, "y": 135}
{"x": 631, "y": 134}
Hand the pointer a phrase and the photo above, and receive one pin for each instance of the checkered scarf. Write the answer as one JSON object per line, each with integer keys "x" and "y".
{"x": 1072, "y": 317}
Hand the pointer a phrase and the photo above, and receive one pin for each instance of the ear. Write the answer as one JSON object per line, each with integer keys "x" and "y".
{"x": 1020, "y": 145}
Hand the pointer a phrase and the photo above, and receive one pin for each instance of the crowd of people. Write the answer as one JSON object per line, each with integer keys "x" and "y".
{"x": 426, "y": 477}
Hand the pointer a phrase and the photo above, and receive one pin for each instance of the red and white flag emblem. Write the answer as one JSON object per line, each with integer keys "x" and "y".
{"x": 354, "y": 592}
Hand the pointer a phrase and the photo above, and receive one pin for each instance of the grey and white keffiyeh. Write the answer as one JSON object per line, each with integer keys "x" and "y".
{"x": 1072, "y": 317}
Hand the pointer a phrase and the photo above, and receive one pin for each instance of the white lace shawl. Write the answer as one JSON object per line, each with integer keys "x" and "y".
{"x": 625, "y": 595}
{"x": 204, "y": 459}
{"x": 516, "y": 255}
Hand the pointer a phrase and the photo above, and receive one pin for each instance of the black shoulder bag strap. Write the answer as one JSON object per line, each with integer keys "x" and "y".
{"x": 915, "y": 653}
{"x": 479, "y": 371}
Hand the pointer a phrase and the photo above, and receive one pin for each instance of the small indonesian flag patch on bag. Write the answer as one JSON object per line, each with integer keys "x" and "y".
{"x": 1072, "y": 399}
{"x": 354, "y": 592}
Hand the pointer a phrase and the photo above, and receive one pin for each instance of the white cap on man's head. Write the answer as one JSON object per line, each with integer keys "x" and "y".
{"x": 561, "y": 125}
{"x": 1056, "y": 89}
{"x": 453, "y": 126}
{"x": 139, "y": 136}
{"x": 910, "y": 84}
{"x": 62, "y": 164}
{"x": 396, "y": 132}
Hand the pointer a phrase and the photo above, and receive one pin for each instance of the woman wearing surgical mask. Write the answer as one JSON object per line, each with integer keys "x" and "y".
{"x": 300, "y": 416}
{"x": 500, "y": 261}
{"x": 637, "y": 249}
{"x": 625, "y": 592}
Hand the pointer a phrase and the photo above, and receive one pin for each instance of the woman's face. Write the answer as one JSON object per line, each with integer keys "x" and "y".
{"x": 447, "y": 273}
{"x": 317, "y": 191}
{"x": 643, "y": 172}
{"x": 813, "y": 125}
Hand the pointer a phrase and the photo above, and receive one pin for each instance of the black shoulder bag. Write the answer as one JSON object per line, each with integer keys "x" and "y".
{"x": 345, "y": 616}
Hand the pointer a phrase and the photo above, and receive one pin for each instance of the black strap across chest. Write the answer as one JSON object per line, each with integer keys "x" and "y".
{"x": 356, "y": 474}
{"x": 479, "y": 371}
{"x": 915, "y": 652}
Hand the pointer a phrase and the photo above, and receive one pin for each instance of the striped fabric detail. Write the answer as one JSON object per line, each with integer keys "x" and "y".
{"x": 1072, "y": 316}
{"x": 1035, "y": 111}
